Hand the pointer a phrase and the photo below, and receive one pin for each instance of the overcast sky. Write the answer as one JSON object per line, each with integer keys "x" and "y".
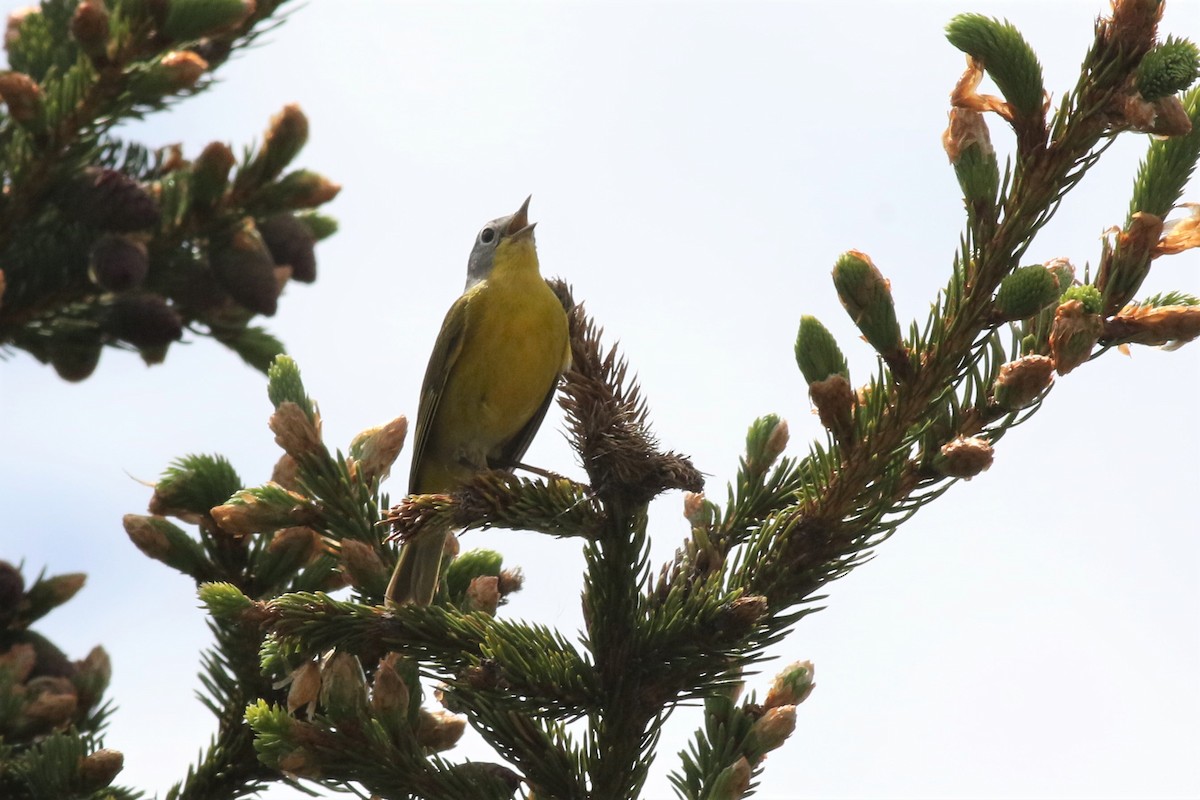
{"x": 695, "y": 170}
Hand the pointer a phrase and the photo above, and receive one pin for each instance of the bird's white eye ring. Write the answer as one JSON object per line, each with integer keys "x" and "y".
{"x": 487, "y": 235}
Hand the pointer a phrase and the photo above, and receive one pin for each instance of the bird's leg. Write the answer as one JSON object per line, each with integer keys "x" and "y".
{"x": 544, "y": 473}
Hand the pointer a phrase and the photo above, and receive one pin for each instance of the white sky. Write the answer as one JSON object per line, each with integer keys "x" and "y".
{"x": 695, "y": 170}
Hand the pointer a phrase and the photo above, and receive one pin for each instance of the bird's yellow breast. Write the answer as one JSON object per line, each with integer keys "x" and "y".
{"x": 514, "y": 347}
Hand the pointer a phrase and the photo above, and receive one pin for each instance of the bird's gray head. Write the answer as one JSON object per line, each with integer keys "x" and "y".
{"x": 483, "y": 254}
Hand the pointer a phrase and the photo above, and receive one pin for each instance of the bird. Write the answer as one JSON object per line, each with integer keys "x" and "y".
{"x": 491, "y": 377}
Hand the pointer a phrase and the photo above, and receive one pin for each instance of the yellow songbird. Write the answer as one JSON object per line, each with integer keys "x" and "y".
{"x": 490, "y": 379}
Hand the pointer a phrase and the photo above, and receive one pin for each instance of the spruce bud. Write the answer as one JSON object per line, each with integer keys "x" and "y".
{"x": 97, "y": 770}
{"x": 300, "y": 189}
{"x": 463, "y": 571}
{"x": 1024, "y": 293}
{"x": 243, "y": 266}
{"x": 1007, "y": 58}
{"x": 298, "y": 435}
{"x": 364, "y": 568}
{"x": 285, "y": 137}
{"x": 1168, "y": 69}
{"x": 376, "y": 449}
{"x": 744, "y": 613}
{"x": 792, "y": 686}
{"x": 1073, "y": 335}
{"x": 188, "y": 20}
{"x": 440, "y": 730}
{"x": 118, "y": 263}
{"x": 867, "y": 298}
{"x": 12, "y": 29}
{"x": 817, "y": 352}
{"x": 483, "y": 594}
{"x": 291, "y": 243}
{"x": 89, "y": 27}
{"x": 144, "y": 320}
{"x": 770, "y": 731}
{"x": 1087, "y": 294}
{"x": 1157, "y": 326}
{"x": 964, "y": 457}
{"x": 1022, "y": 381}
{"x": 1125, "y": 262}
{"x": 343, "y": 688}
{"x": 22, "y": 95}
{"x": 92, "y": 676}
{"x": 210, "y": 175}
{"x": 305, "y": 686}
{"x": 834, "y": 400}
{"x": 176, "y": 71}
{"x": 733, "y": 782}
{"x": 968, "y": 144}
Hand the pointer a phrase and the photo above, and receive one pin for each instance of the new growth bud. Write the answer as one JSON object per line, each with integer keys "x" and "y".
{"x": 1073, "y": 335}
{"x": 964, "y": 457}
{"x": 1022, "y": 381}
{"x": 376, "y": 449}
{"x": 770, "y": 731}
{"x": 22, "y": 95}
{"x": 817, "y": 352}
{"x": 89, "y": 27}
{"x": 867, "y": 298}
{"x": 1169, "y": 68}
{"x": 792, "y": 686}
{"x": 1024, "y": 293}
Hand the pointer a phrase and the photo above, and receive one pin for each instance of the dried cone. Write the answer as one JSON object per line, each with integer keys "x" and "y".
{"x": 144, "y": 320}
{"x": 291, "y": 243}
{"x": 75, "y": 355}
{"x": 243, "y": 265}
{"x": 109, "y": 200}
{"x": 118, "y": 263}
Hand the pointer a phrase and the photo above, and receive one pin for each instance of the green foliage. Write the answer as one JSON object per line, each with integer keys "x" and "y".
{"x": 817, "y": 352}
{"x": 1168, "y": 166}
{"x": 1087, "y": 294}
{"x": 1006, "y": 57}
{"x": 112, "y": 244}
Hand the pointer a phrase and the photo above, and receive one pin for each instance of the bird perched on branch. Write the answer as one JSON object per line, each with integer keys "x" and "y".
{"x": 490, "y": 379}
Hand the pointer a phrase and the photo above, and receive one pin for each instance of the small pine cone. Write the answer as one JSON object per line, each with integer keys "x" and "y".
{"x": 291, "y": 242}
{"x": 144, "y": 320}
{"x": 118, "y": 263}
{"x": 109, "y": 200}
{"x": 244, "y": 267}
{"x": 76, "y": 356}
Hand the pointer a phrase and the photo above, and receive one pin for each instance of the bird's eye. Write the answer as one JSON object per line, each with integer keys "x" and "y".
{"x": 487, "y": 235}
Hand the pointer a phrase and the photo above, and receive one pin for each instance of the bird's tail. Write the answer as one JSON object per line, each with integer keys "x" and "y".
{"x": 416, "y": 576}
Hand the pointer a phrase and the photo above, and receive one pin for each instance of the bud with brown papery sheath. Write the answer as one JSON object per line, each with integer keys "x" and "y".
{"x": 52, "y": 592}
{"x": 299, "y": 436}
{"x": 12, "y": 28}
{"x": 1063, "y": 271}
{"x": 733, "y": 782}
{"x": 1024, "y": 293}
{"x": 364, "y": 568}
{"x": 1087, "y": 294}
{"x": 1073, "y": 335}
{"x": 109, "y": 200}
{"x": 176, "y": 71}
{"x": 247, "y": 513}
{"x": 291, "y": 243}
{"x": 22, "y": 95}
{"x": 210, "y": 175}
{"x": 509, "y": 581}
{"x": 89, "y": 27}
{"x": 1022, "y": 381}
{"x": 97, "y": 770}
{"x": 440, "y": 730}
{"x": 18, "y": 661}
{"x": 1179, "y": 235}
{"x": 770, "y": 731}
{"x": 743, "y": 613}
{"x": 92, "y": 676}
{"x": 376, "y": 449}
{"x": 163, "y": 541}
{"x": 118, "y": 263}
{"x": 817, "y": 352}
{"x": 867, "y": 297}
{"x": 49, "y": 710}
{"x": 483, "y": 594}
{"x": 964, "y": 457}
{"x": 1161, "y": 326}
{"x": 286, "y": 472}
{"x": 144, "y": 320}
{"x": 834, "y": 400}
{"x": 12, "y": 591}
{"x": 792, "y": 686}
{"x": 295, "y": 547}
{"x": 244, "y": 267}
{"x": 1009, "y": 60}
{"x": 343, "y": 688}
{"x": 968, "y": 144}
{"x": 390, "y": 697}
{"x": 1125, "y": 261}
{"x": 304, "y": 687}
{"x": 187, "y": 20}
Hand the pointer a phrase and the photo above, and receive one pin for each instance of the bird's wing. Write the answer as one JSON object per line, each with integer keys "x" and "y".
{"x": 441, "y": 362}
{"x": 514, "y": 449}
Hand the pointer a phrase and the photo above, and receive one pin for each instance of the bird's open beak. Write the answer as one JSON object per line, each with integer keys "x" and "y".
{"x": 519, "y": 224}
